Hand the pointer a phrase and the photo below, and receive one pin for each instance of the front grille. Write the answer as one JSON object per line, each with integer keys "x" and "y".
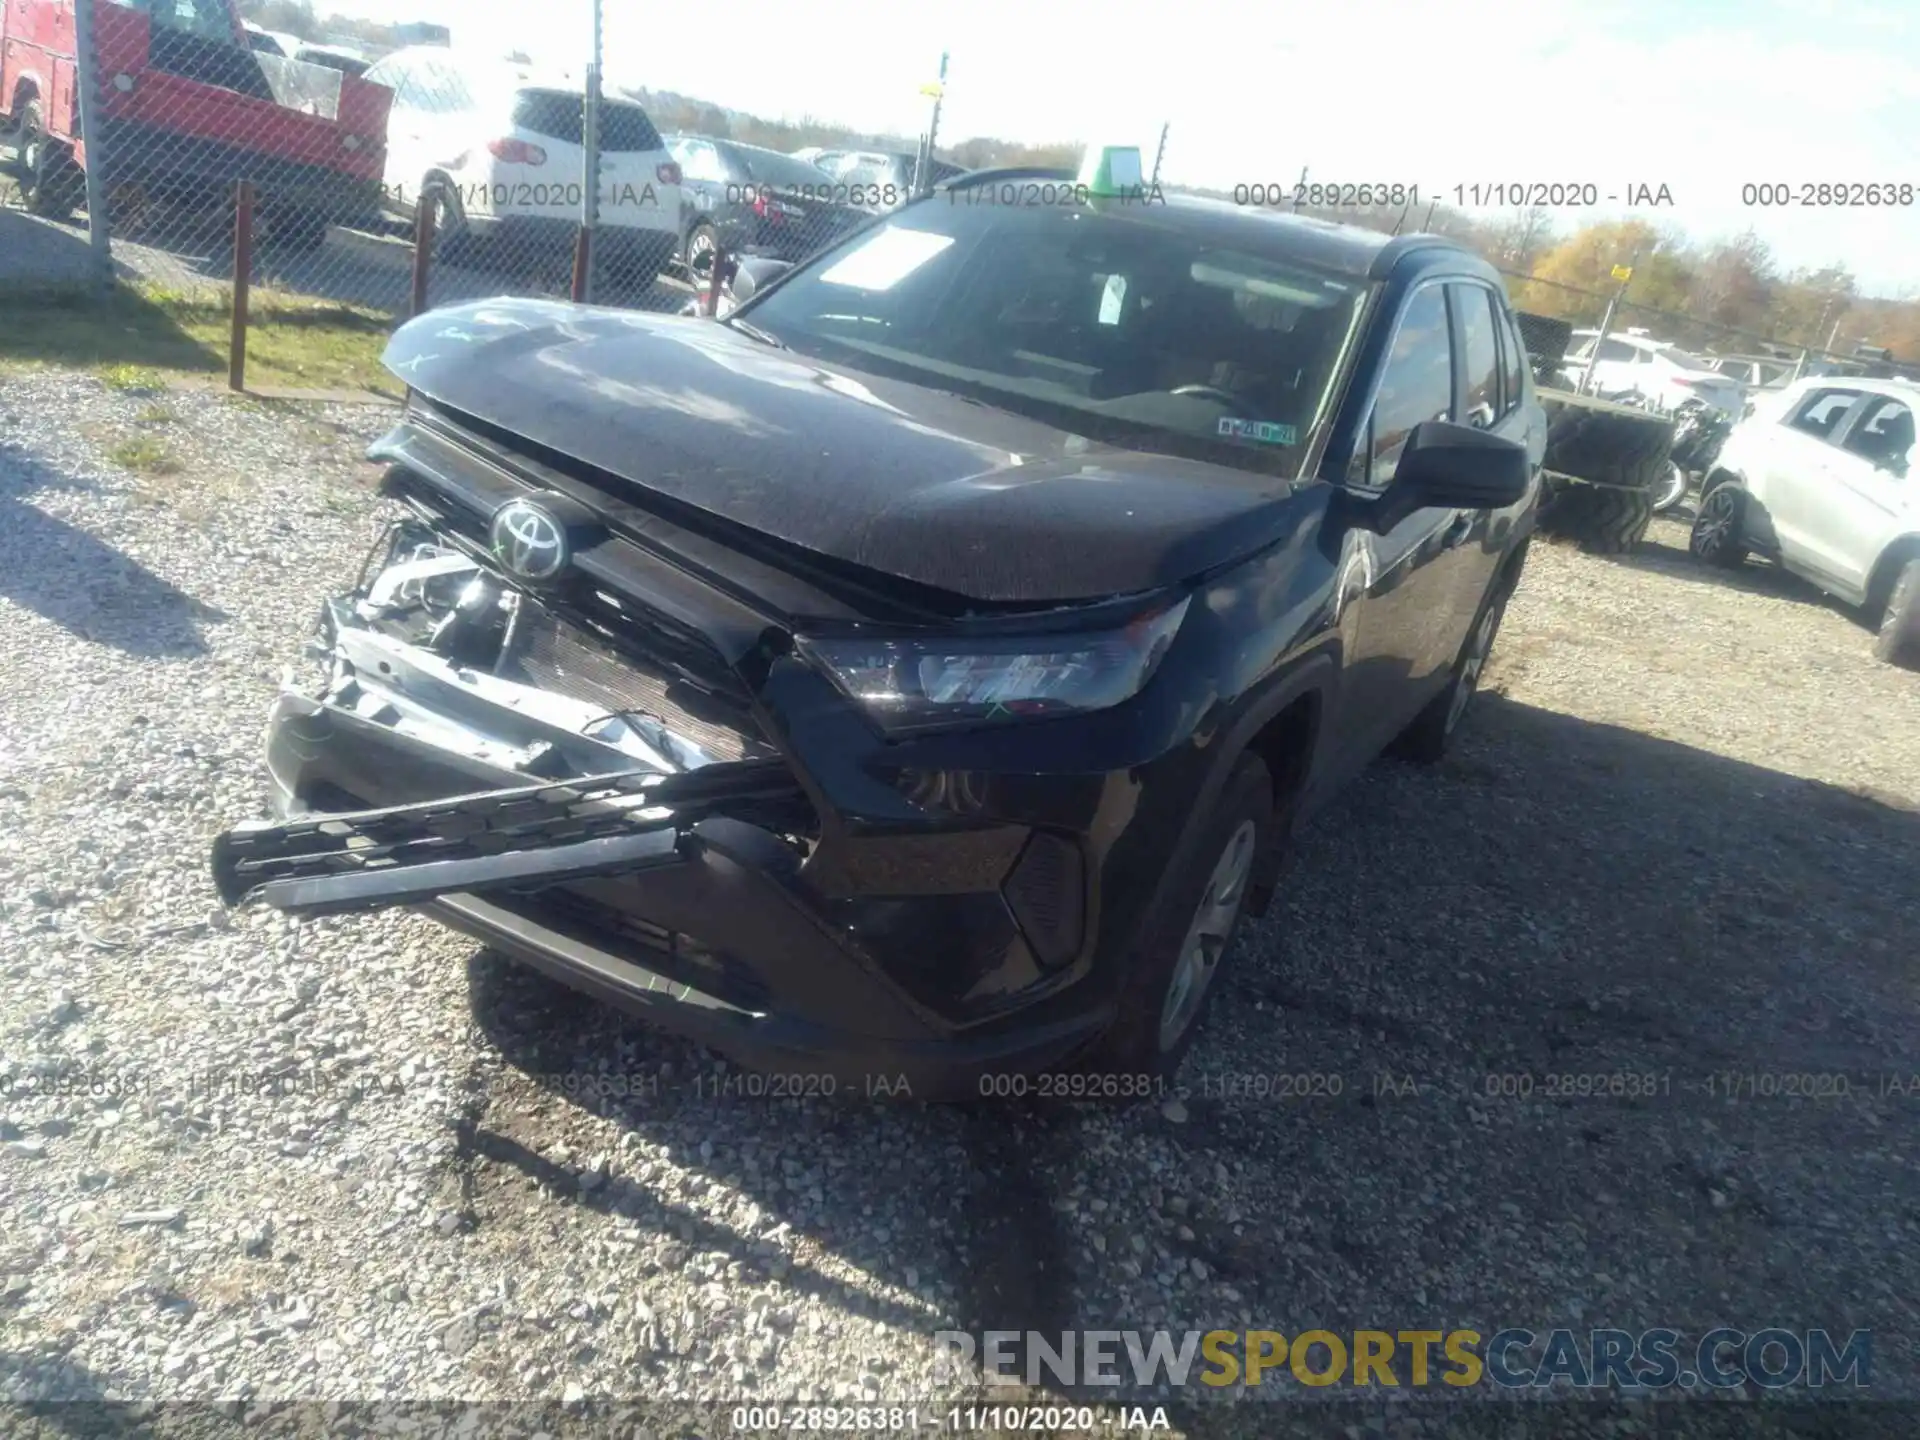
{"x": 551, "y": 653}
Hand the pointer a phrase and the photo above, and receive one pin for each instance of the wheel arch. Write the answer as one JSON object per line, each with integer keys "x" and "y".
{"x": 1893, "y": 559}
{"x": 1718, "y": 476}
{"x": 26, "y": 86}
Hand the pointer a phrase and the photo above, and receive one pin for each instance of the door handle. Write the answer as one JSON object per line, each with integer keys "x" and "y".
{"x": 1458, "y": 530}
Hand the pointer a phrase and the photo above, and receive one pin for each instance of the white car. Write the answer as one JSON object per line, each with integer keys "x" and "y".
{"x": 1822, "y": 479}
{"x": 1630, "y": 367}
{"x": 499, "y": 154}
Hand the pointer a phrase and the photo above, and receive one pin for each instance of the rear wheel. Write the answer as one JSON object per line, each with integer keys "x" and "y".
{"x": 1717, "y": 536}
{"x": 1176, "y": 971}
{"x": 1425, "y": 741}
{"x": 697, "y": 253}
{"x": 51, "y": 182}
{"x": 1898, "y": 640}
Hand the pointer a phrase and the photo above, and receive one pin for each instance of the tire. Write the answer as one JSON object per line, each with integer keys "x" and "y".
{"x": 1176, "y": 971}
{"x": 1601, "y": 521}
{"x": 1717, "y": 530}
{"x": 1607, "y": 444}
{"x": 1426, "y": 740}
{"x": 298, "y": 232}
{"x": 1898, "y": 639}
{"x": 453, "y": 243}
{"x": 701, "y": 241}
{"x": 1679, "y": 482}
{"x": 51, "y": 181}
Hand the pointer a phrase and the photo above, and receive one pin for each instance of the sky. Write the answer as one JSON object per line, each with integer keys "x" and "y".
{"x": 1700, "y": 96}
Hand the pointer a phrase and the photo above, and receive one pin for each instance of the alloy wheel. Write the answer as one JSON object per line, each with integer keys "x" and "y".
{"x": 1714, "y": 525}
{"x": 1471, "y": 664}
{"x": 1208, "y": 935}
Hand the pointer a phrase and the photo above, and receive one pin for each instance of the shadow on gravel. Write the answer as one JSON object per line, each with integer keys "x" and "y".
{"x": 1561, "y": 899}
{"x": 69, "y": 576}
{"x": 1756, "y": 577}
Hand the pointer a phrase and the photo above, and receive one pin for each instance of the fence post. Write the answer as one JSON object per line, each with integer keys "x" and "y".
{"x": 422, "y": 252}
{"x": 716, "y": 276}
{"x": 90, "y": 137}
{"x": 590, "y": 169}
{"x": 242, "y": 279}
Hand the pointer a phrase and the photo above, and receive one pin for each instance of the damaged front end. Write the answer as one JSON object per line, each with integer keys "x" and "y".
{"x": 523, "y": 750}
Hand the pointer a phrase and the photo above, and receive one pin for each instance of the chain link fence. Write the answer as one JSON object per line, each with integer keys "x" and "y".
{"x": 422, "y": 175}
{"x": 425, "y": 176}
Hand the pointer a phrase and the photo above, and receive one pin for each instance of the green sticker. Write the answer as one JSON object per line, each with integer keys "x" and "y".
{"x": 1261, "y": 430}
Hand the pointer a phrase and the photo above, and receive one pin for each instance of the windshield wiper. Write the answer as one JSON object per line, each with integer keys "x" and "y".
{"x": 754, "y": 332}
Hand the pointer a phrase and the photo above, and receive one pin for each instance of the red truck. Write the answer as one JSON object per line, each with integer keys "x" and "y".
{"x": 186, "y": 108}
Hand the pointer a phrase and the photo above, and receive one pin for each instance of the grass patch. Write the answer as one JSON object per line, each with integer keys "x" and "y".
{"x": 155, "y": 415}
{"x": 144, "y": 455}
{"x": 144, "y": 335}
{"x": 134, "y": 379}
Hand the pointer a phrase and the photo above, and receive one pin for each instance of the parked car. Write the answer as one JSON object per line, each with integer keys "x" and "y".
{"x": 334, "y": 57}
{"x": 271, "y": 42}
{"x": 920, "y": 671}
{"x": 1635, "y": 367}
{"x": 1754, "y": 372}
{"x": 1821, "y": 480}
{"x": 886, "y": 175}
{"x": 758, "y": 201}
{"x": 186, "y": 109}
{"x": 498, "y": 152}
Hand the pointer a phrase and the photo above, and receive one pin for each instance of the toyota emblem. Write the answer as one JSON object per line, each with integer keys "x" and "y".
{"x": 528, "y": 540}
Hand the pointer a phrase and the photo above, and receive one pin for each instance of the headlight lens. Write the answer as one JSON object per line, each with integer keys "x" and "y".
{"x": 915, "y": 684}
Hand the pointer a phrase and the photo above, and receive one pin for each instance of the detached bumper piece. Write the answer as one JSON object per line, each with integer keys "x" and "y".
{"x": 518, "y": 839}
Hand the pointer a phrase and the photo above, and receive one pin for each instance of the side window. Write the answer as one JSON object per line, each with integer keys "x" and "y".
{"x": 1417, "y": 384}
{"x": 1619, "y": 350}
{"x": 1819, "y": 414}
{"x": 700, "y": 161}
{"x": 1513, "y": 360}
{"x": 1479, "y": 353}
{"x": 1884, "y": 435}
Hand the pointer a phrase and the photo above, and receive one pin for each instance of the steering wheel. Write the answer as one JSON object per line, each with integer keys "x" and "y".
{"x": 1213, "y": 392}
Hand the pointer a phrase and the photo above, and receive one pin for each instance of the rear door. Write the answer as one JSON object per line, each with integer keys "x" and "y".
{"x": 1852, "y": 502}
{"x": 1790, "y": 473}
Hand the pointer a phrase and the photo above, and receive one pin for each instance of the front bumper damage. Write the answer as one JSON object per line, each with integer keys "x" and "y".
{"x": 465, "y": 753}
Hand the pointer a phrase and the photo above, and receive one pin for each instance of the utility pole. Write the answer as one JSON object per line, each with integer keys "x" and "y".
{"x": 1299, "y": 189}
{"x": 1160, "y": 152}
{"x": 923, "y": 171}
{"x": 1606, "y": 320}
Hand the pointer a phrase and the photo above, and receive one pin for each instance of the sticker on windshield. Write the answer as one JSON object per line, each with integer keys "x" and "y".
{"x": 1261, "y": 430}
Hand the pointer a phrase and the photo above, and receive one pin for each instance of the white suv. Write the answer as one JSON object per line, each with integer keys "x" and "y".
{"x": 1822, "y": 479}
{"x": 498, "y": 152}
{"x": 1633, "y": 367}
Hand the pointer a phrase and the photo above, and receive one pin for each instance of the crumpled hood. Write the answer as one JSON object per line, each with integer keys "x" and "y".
{"x": 928, "y": 486}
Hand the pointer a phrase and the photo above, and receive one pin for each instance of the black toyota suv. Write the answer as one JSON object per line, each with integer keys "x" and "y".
{"x": 920, "y": 671}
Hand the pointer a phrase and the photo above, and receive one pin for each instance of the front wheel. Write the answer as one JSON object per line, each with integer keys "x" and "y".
{"x": 1175, "y": 973}
{"x": 1717, "y": 536}
{"x": 52, "y": 182}
{"x": 1425, "y": 741}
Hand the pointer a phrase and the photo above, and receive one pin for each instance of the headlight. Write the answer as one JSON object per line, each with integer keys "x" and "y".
{"x": 919, "y": 684}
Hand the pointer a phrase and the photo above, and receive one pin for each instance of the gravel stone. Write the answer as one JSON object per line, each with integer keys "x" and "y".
{"x": 1679, "y": 839}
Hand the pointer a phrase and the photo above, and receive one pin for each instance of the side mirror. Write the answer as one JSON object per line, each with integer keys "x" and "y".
{"x": 1458, "y": 467}
{"x": 754, "y": 273}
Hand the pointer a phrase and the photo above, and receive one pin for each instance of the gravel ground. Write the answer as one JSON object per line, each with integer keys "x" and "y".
{"x": 1679, "y": 838}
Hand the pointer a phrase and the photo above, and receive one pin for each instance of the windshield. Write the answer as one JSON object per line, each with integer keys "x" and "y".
{"x": 1125, "y": 325}
{"x": 209, "y": 19}
{"x": 770, "y": 167}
